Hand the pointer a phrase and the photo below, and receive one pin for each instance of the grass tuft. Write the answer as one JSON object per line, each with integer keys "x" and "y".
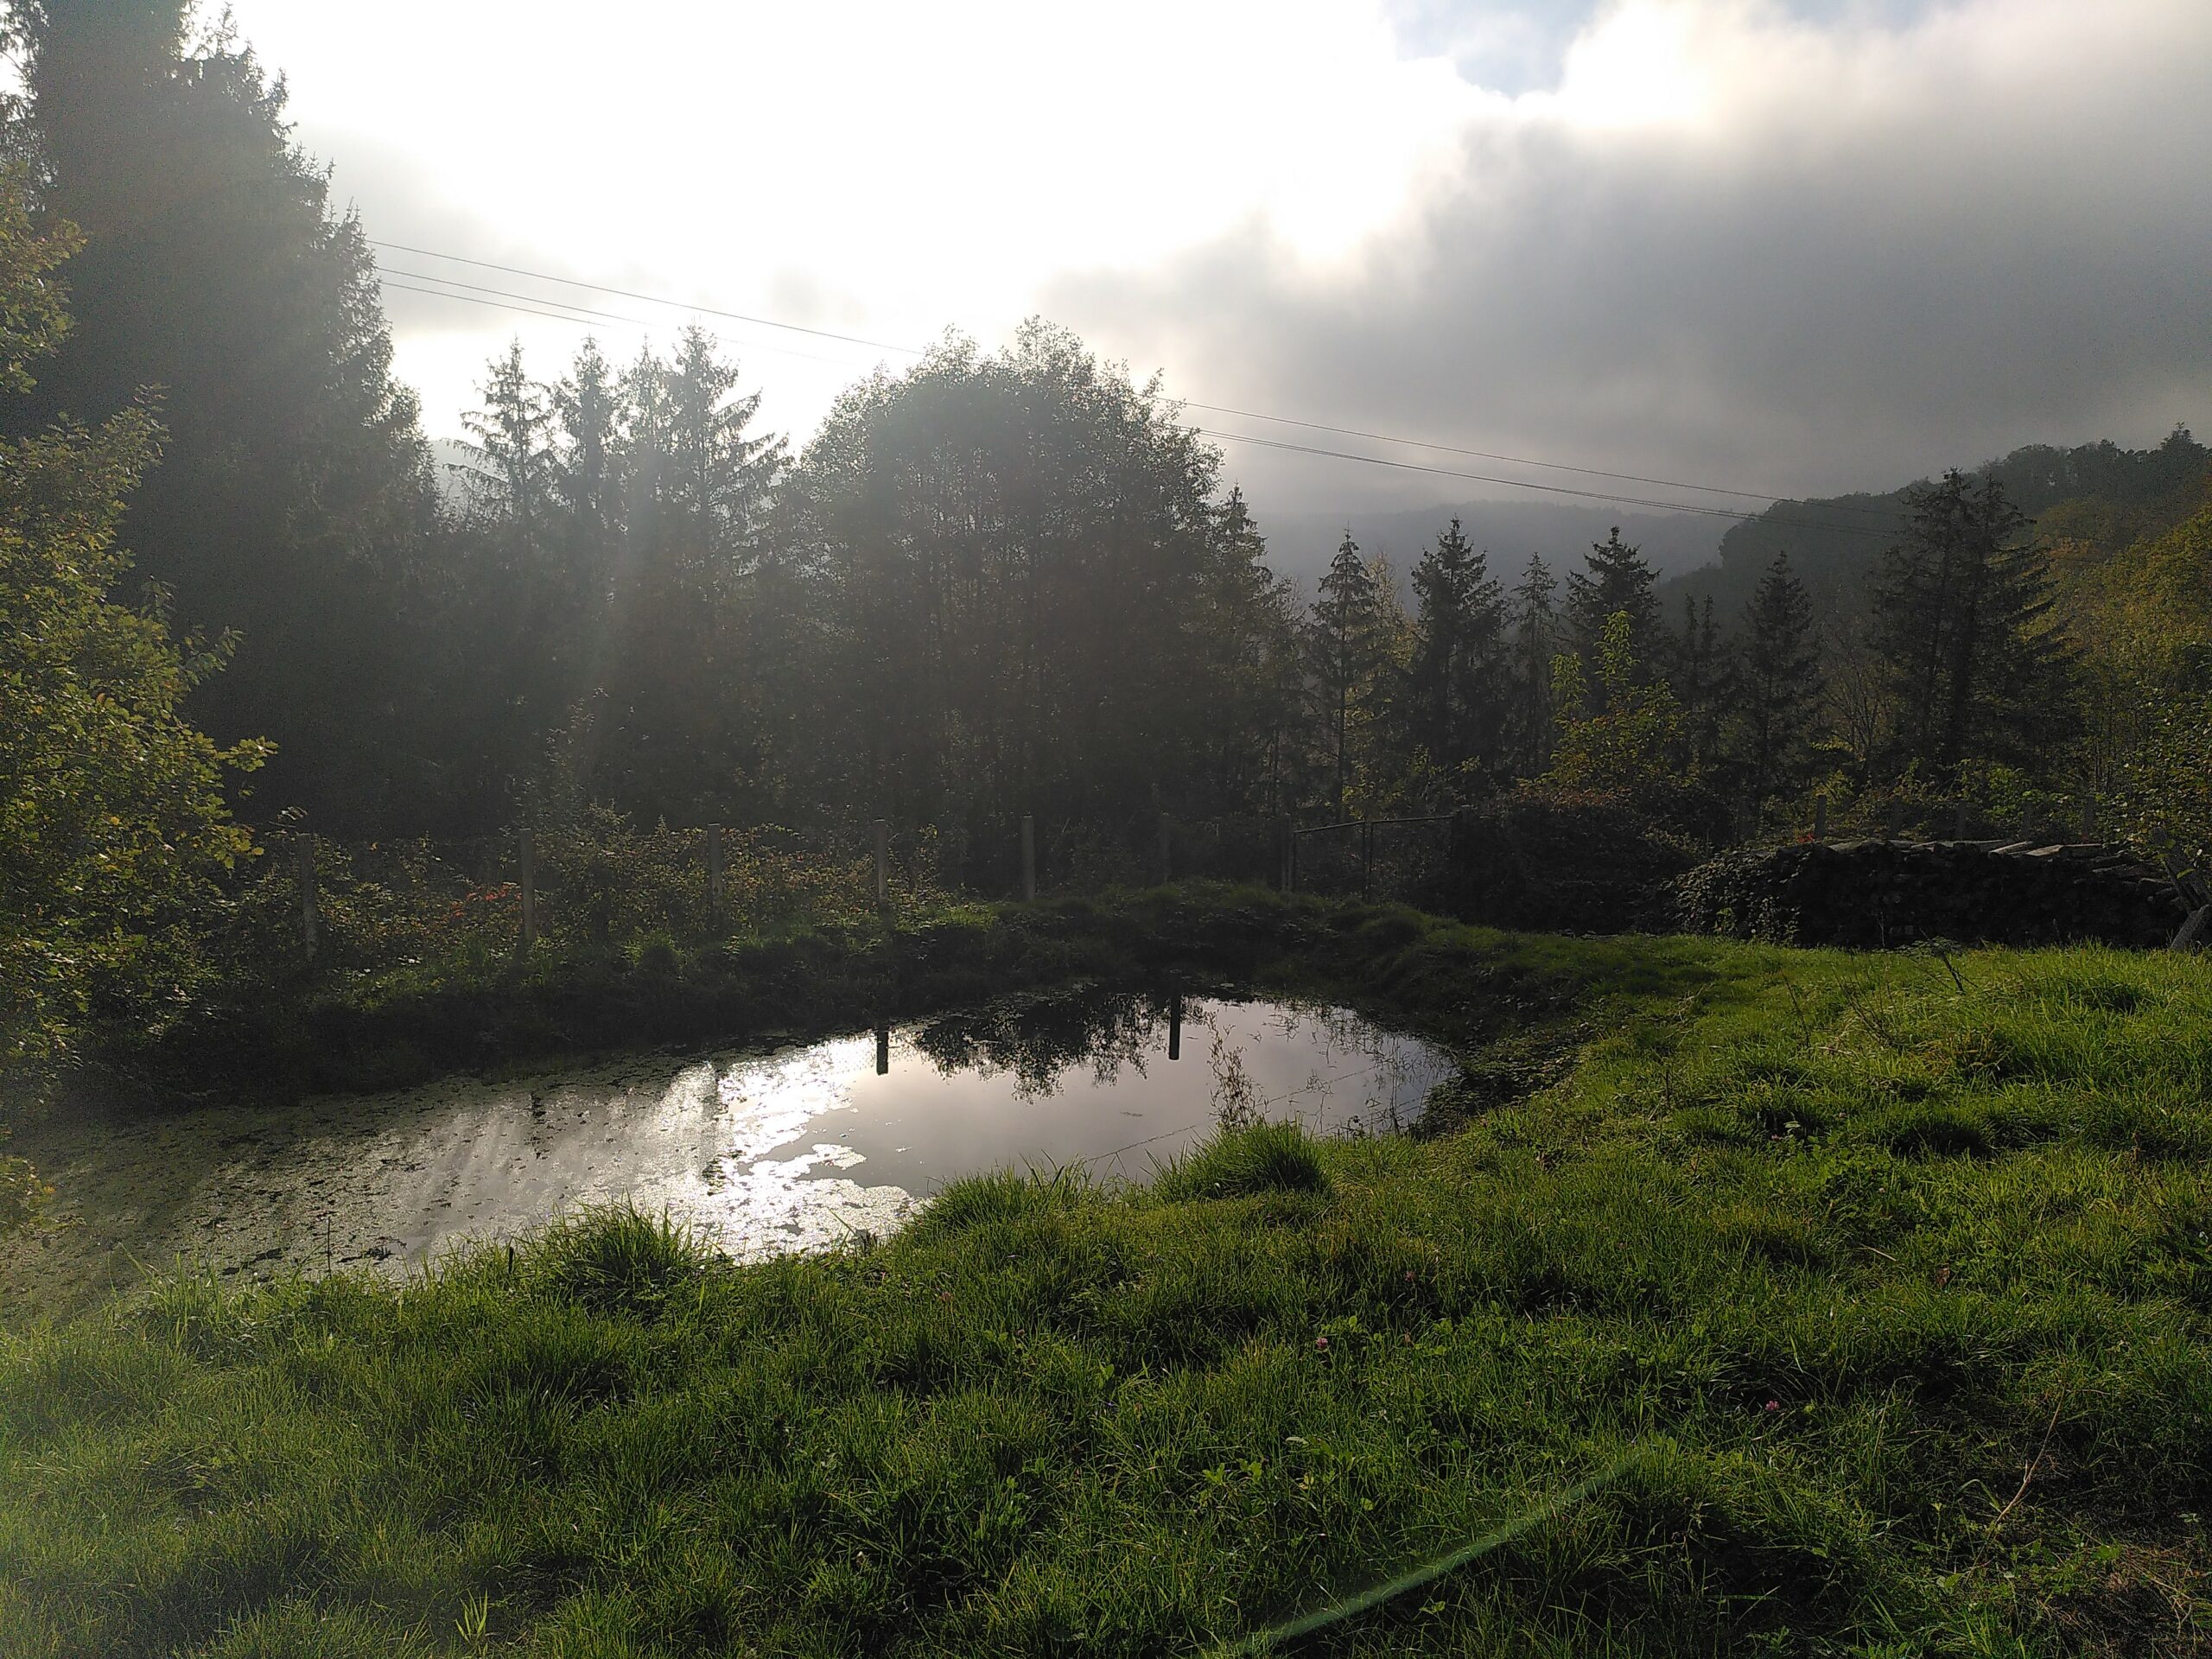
{"x": 1246, "y": 1162}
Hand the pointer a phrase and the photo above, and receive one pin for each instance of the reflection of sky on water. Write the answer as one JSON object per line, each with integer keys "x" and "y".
{"x": 763, "y": 1154}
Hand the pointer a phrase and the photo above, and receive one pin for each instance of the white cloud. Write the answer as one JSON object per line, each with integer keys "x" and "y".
{"x": 1727, "y": 240}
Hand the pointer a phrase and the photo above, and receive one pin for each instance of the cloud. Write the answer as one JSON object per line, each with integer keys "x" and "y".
{"x": 1739, "y": 243}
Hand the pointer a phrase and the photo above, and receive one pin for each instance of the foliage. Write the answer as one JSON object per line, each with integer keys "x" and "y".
{"x": 1897, "y": 1288}
{"x": 295, "y": 493}
{"x": 1778, "y": 670}
{"x": 1622, "y": 735}
{"x": 1963, "y": 628}
{"x": 1618, "y": 582}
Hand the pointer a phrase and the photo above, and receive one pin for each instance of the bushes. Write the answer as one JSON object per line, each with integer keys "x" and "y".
{"x": 1883, "y": 893}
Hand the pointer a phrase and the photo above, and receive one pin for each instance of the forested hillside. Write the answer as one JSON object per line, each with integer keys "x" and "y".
{"x": 998, "y": 584}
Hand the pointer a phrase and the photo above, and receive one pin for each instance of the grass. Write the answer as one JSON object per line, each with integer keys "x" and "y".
{"x": 1878, "y": 1298}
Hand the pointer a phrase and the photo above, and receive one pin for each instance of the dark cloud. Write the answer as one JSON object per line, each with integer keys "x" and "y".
{"x": 1992, "y": 241}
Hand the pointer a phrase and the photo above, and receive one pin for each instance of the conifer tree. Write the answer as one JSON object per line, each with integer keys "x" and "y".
{"x": 1616, "y": 582}
{"x": 296, "y": 494}
{"x": 1343, "y": 629}
{"x": 1535, "y": 640}
{"x": 1454, "y": 683}
{"x": 1961, "y": 625}
{"x": 1702, "y": 682}
{"x": 1778, "y": 677}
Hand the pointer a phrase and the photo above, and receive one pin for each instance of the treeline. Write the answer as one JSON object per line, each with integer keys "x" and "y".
{"x": 997, "y": 583}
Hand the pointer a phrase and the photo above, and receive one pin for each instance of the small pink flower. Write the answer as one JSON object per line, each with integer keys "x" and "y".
{"x": 1773, "y": 1405}
{"x": 1321, "y": 1343}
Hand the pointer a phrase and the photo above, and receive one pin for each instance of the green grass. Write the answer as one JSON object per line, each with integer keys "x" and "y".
{"x": 1881, "y": 1299}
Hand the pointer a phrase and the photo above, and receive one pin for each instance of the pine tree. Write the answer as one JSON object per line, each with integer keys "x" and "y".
{"x": 1534, "y": 624}
{"x": 1343, "y": 629}
{"x": 1779, "y": 680}
{"x": 1454, "y": 683}
{"x": 1961, "y": 609}
{"x": 1618, "y": 582}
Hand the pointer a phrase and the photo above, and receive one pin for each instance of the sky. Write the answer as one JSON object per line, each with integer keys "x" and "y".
{"x": 1785, "y": 247}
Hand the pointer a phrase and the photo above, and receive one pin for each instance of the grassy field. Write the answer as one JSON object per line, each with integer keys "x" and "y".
{"x": 1769, "y": 1301}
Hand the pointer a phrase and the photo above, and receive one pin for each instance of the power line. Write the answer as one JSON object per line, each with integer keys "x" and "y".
{"x": 1734, "y": 514}
{"x": 530, "y": 304}
{"x": 1486, "y": 454}
{"x": 582, "y": 316}
{"x": 650, "y": 299}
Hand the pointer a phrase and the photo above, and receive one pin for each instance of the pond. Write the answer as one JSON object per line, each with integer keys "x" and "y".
{"x": 794, "y": 1148}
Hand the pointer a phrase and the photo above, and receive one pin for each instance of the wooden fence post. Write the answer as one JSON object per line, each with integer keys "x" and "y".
{"x": 1166, "y": 868}
{"x": 303, "y": 854}
{"x": 526, "y": 863}
{"x": 1029, "y": 859}
{"x": 714, "y": 876}
{"x": 882, "y": 864}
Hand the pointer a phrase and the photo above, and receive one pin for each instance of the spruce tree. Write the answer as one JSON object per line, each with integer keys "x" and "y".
{"x": 1961, "y": 625}
{"x": 295, "y": 494}
{"x": 1617, "y": 582}
{"x": 1779, "y": 682}
{"x": 1534, "y": 624}
{"x": 1343, "y": 631}
{"x": 1454, "y": 683}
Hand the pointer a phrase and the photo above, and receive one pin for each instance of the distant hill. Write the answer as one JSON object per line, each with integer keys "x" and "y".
{"x": 2098, "y": 493}
{"x": 1301, "y": 543}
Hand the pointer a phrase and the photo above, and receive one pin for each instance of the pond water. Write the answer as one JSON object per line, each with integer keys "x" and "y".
{"x": 794, "y": 1148}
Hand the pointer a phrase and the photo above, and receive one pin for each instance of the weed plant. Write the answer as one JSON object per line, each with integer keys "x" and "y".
{"x": 1878, "y": 1286}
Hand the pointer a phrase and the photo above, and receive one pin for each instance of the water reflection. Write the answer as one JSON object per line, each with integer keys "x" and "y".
{"x": 763, "y": 1153}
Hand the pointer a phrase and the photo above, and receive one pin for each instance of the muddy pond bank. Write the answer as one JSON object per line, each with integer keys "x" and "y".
{"x": 795, "y": 1146}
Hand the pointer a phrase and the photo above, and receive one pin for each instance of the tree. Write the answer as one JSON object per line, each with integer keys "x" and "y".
{"x": 1013, "y": 569}
{"x": 1535, "y": 626}
{"x": 1961, "y": 625}
{"x": 1618, "y": 736}
{"x": 1616, "y": 582}
{"x": 1703, "y": 680}
{"x": 1455, "y": 682}
{"x": 112, "y": 823}
{"x": 1343, "y": 629}
{"x": 1778, "y": 677}
{"x": 296, "y": 497}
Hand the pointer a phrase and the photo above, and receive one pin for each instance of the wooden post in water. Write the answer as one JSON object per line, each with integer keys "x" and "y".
{"x": 303, "y": 854}
{"x": 714, "y": 877}
{"x": 883, "y": 1048}
{"x": 1166, "y": 868}
{"x": 526, "y": 864}
{"x": 1175, "y": 1024}
{"x": 1819, "y": 817}
{"x": 882, "y": 864}
{"x": 1029, "y": 859}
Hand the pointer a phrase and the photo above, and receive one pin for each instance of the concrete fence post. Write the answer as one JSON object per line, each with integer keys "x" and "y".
{"x": 1819, "y": 817}
{"x": 714, "y": 876}
{"x": 310, "y": 928}
{"x": 526, "y": 867}
{"x": 1029, "y": 859}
